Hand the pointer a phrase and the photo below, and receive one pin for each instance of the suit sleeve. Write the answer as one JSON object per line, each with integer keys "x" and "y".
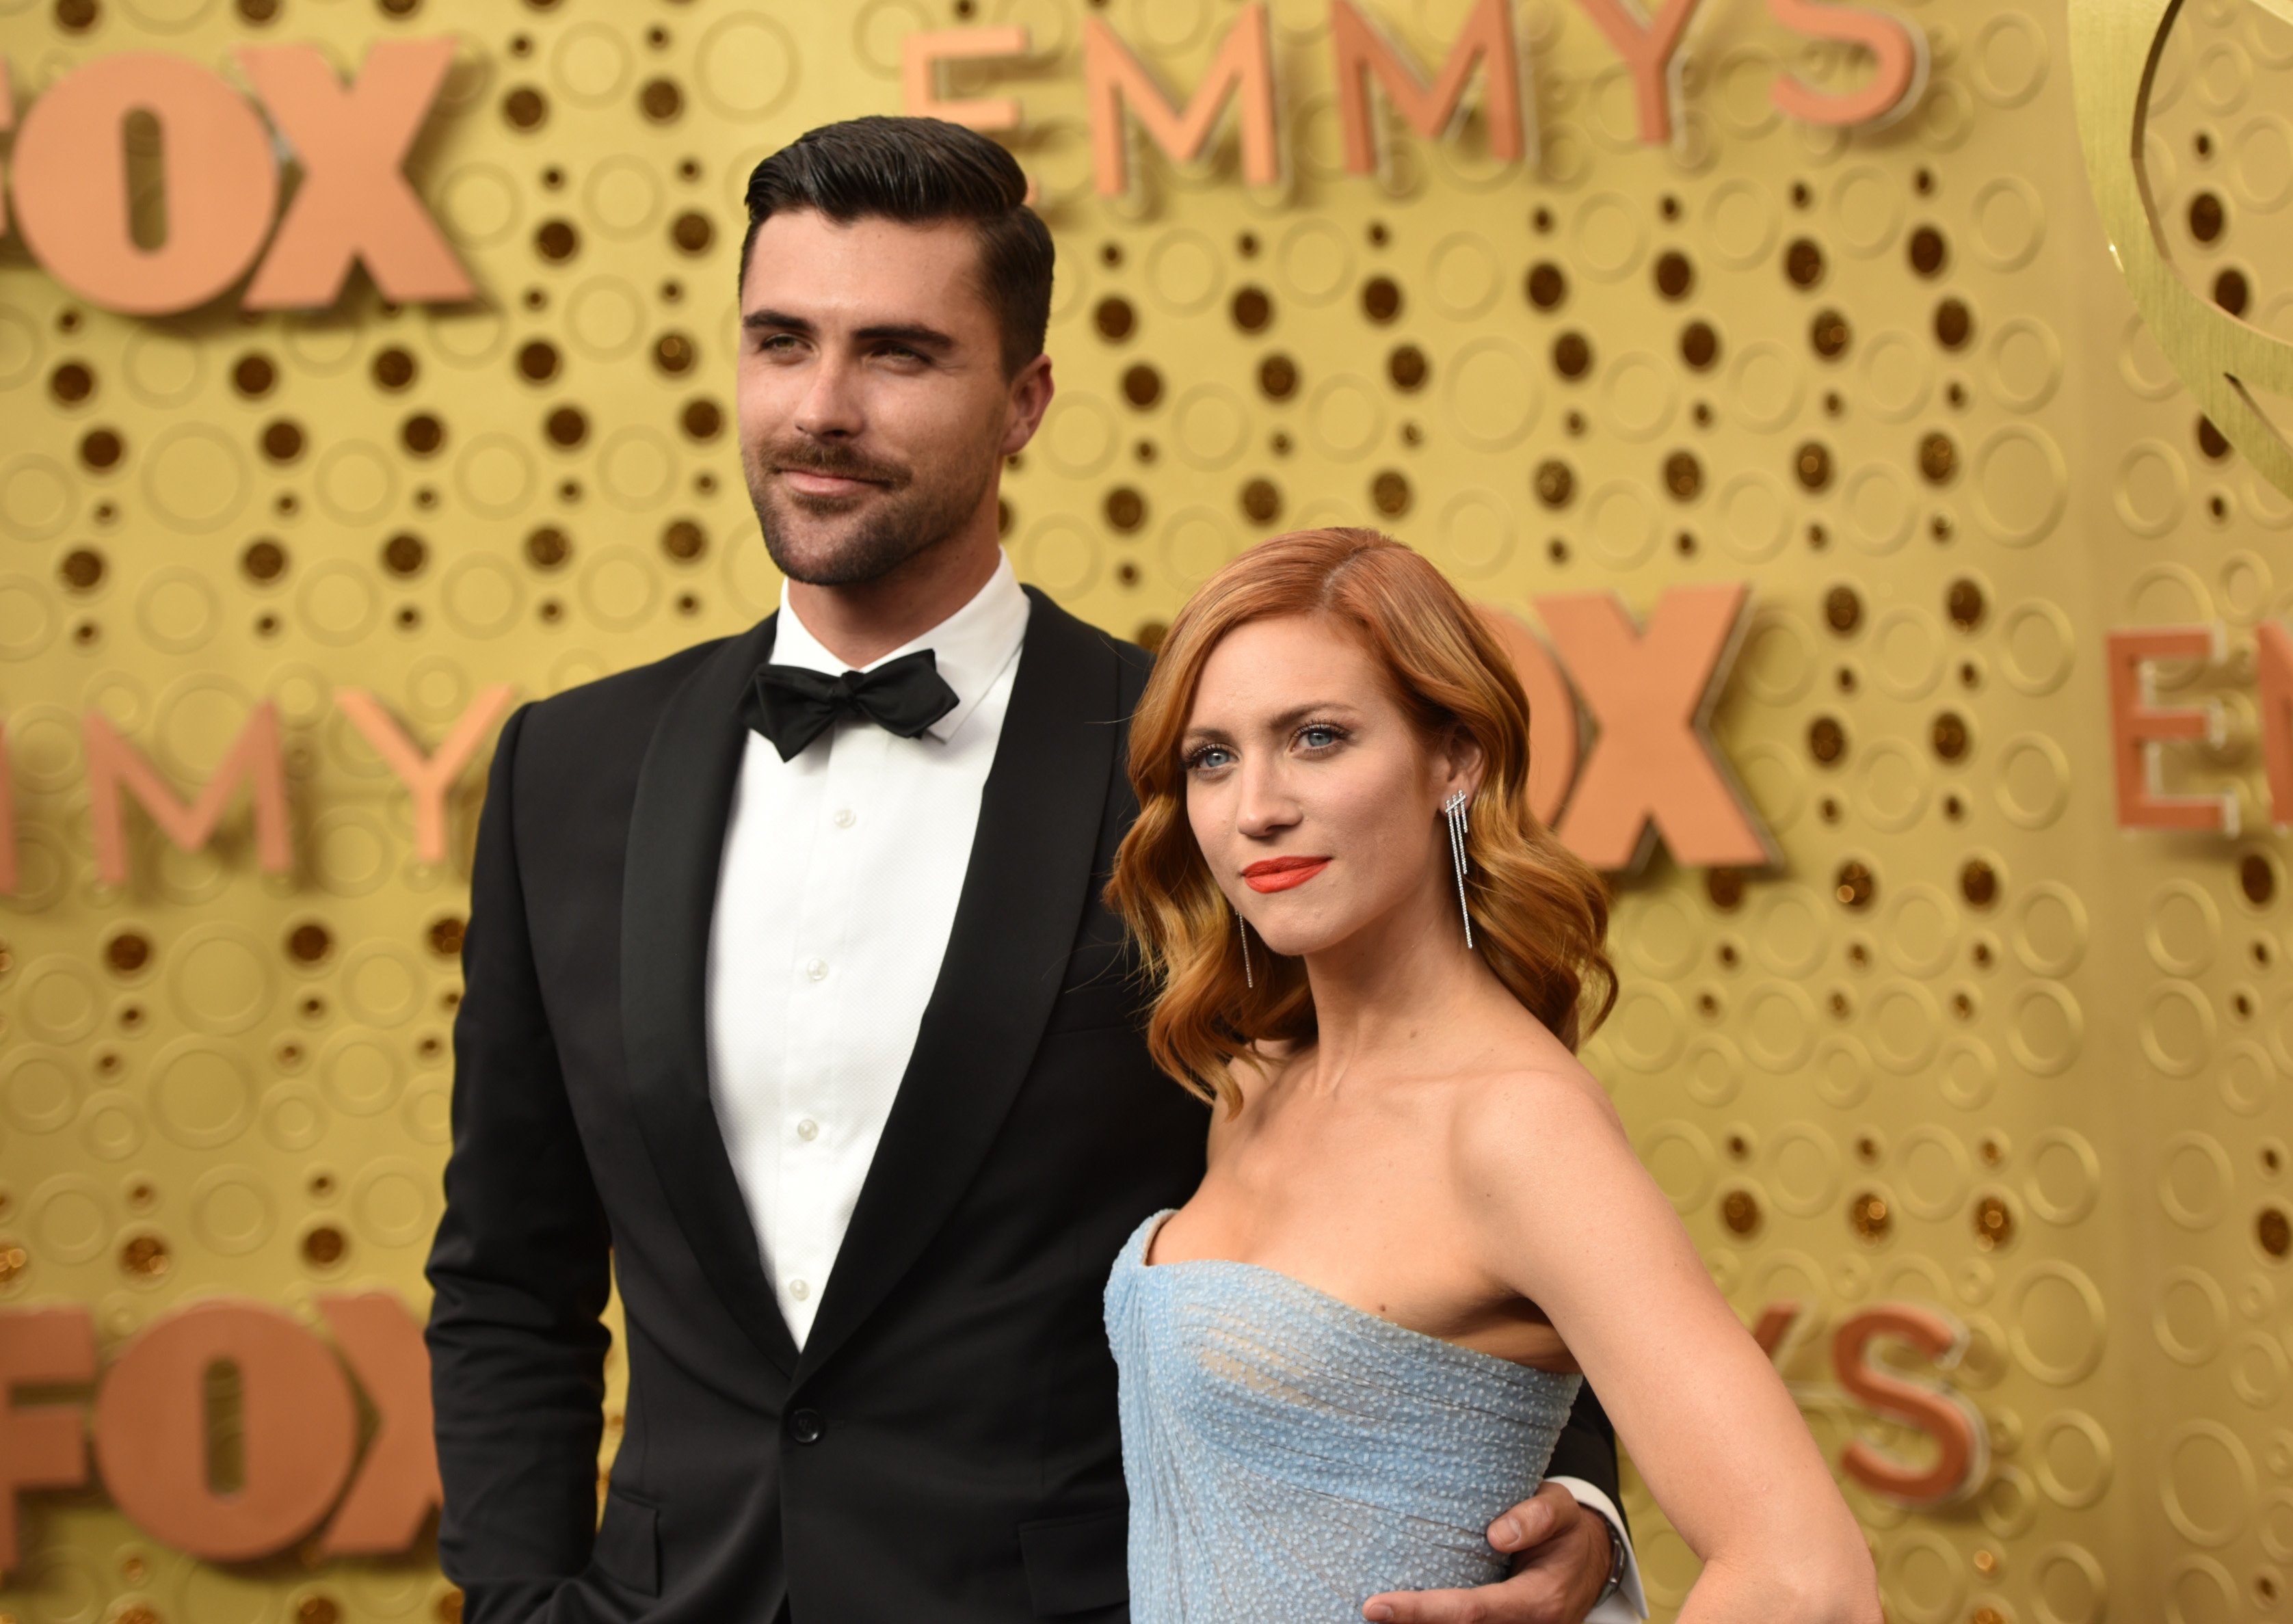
{"x": 1584, "y": 1463}
{"x": 1586, "y": 1448}
{"x": 521, "y": 1267}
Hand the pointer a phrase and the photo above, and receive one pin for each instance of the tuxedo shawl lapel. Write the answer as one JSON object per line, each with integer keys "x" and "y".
{"x": 1023, "y": 901}
{"x": 668, "y": 901}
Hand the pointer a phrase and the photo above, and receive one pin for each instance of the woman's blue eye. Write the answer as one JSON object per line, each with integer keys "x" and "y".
{"x": 1319, "y": 738}
{"x": 1208, "y": 755}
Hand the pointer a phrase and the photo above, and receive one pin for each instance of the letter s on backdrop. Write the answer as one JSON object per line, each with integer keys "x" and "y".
{"x": 1899, "y": 47}
{"x": 1962, "y": 1442}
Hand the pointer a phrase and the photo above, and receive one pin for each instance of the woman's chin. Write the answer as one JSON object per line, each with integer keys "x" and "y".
{"x": 1295, "y": 939}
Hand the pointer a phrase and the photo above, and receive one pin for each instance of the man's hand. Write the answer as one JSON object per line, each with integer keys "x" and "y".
{"x": 1560, "y": 1560}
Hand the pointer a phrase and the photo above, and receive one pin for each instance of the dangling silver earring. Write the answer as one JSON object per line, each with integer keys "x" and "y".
{"x": 1242, "y": 929}
{"x": 1453, "y": 809}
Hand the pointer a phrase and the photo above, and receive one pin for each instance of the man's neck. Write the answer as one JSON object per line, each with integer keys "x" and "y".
{"x": 867, "y": 620}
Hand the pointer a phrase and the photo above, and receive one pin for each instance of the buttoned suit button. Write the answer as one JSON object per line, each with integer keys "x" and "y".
{"x": 805, "y": 1426}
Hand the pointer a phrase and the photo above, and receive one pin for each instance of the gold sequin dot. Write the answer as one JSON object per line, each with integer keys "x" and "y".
{"x": 404, "y": 554}
{"x": 1868, "y": 1216}
{"x": 1115, "y": 318}
{"x": 674, "y": 353}
{"x": 127, "y": 952}
{"x": 2274, "y": 1231}
{"x": 82, "y": 569}
{"x": 547, "y": 548}
{"x": 524, "y": 108}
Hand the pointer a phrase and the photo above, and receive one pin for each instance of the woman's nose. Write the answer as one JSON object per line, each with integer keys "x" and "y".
{"x": 1265, "y": 807}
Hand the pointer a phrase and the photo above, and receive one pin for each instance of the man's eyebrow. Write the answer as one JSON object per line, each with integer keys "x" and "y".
{"x": 908, "y": 333}
{"x": 911, "y": 333}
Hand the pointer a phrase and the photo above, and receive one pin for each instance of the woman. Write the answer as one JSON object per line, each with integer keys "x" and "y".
{"x": 1422, "y": 1218}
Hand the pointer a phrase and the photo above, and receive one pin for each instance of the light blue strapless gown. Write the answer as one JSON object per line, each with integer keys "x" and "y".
{"x": 1290, "y": 1456}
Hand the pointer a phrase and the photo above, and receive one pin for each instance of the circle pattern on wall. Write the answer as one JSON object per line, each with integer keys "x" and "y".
{"x": 1964, "y": 1044}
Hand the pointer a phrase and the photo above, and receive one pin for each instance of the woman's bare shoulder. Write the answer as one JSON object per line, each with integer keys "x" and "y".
{"x": 1545, "y": 1108}
{"x": 1533, "y": 1148}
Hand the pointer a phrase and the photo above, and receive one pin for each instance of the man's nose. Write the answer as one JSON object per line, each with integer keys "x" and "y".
{"x": 830, "y": 408}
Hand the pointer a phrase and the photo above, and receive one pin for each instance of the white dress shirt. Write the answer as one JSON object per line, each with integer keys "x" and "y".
{"x": 841, "y": 873}
{"x": 1629, "y": 1603}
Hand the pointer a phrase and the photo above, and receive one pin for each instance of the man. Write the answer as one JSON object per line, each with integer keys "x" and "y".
{"x": 791, "y": 1003}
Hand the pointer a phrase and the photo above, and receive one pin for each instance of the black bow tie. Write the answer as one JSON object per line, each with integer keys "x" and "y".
{"x": 792, "y": 707}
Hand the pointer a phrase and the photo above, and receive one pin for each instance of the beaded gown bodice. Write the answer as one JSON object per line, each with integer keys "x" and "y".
{"x": 1289, "y": 1455}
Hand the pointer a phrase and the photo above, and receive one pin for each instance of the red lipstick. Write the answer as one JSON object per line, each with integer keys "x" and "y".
{"x": 1282, "y": 873}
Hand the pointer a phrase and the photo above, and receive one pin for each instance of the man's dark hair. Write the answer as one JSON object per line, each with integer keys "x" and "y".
{"x": 920, "y": 172}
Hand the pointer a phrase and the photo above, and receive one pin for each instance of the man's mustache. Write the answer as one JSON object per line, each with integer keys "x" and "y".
{"x": 812, "y": 457}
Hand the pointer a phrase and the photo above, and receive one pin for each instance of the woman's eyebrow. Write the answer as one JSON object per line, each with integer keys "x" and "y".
{"x": 1297, "y": 714}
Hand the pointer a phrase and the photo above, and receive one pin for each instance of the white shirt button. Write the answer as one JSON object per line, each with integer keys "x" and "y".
{"x": 846, "y": 817}
{"x": 808, "y": 1129}
{"x": 799, "y": 1290}
{"x": 816, "y": 968}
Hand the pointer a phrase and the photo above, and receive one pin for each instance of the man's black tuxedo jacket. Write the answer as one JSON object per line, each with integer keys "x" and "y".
{"x": 945, "y": 1447}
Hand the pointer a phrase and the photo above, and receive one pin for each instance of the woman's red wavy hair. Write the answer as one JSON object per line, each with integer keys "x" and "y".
{"x": 1539, "y": 913}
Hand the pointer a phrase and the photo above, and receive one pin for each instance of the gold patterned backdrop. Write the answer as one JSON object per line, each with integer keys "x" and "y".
{"x": 1968, "y": 1045}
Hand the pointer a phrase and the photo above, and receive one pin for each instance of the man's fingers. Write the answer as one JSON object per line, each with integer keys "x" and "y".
{"x": 1551, "y": 1510}
{"x": 1427, "y": 1607}
{"x": 1526, "y": 1599}
{"x": 1529, "y": 1598}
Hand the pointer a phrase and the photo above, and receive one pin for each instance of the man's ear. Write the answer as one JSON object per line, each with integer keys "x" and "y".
{"x": 1031, "y": 397}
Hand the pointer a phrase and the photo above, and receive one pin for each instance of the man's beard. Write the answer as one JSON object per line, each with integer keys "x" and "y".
{"x": 905, "y": 518}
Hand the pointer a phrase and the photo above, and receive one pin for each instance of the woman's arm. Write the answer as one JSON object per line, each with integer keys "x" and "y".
{"x": 1561, "y": 1211}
